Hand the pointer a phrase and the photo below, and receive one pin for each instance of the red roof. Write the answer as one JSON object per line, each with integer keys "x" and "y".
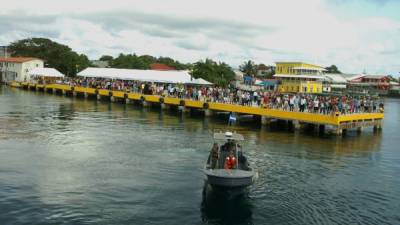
{"x": 160, "y": 66}
{"x": 16, "y": 59}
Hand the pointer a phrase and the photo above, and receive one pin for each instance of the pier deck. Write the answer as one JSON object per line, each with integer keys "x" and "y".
{"x": 338, "y": 121}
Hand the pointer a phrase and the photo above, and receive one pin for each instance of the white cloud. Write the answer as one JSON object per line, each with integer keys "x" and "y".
{"x": 231, "y": 31}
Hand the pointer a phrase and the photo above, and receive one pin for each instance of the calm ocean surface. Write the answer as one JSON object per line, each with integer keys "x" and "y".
{"x": 76, "y": 161}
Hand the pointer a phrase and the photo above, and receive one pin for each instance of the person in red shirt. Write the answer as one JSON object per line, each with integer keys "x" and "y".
{"x": 230, "y": 161}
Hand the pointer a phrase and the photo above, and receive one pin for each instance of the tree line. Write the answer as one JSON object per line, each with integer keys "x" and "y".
{"x": 69, "y": 62}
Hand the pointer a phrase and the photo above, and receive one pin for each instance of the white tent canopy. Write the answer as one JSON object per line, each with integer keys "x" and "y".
{"x": 138, "y": 75}
{"x": 200, "y": 81}
{"x": 45, "y": 72}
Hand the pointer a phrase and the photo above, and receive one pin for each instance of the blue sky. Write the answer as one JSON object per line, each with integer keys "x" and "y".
{"x": 356, "y": 35}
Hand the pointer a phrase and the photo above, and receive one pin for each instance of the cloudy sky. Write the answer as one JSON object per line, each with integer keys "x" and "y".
{"x": 355, "y": 35}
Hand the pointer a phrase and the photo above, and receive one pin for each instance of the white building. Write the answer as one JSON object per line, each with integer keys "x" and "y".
{"x": 17, "y": 68}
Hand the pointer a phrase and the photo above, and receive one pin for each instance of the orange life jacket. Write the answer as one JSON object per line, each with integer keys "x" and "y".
{"x": 230, "y": 162}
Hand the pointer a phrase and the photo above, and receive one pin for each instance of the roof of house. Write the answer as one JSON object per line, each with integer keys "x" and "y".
{"x": 375, "y": 76}
{"x": 160, "y": 66}
{"x": 17, "y": 59}
{"x": 335, "y": 77}
{"x": 282, "y": 62}
{"x": 352, "y": 77}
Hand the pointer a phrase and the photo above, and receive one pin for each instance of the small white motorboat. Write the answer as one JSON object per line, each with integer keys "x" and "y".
{"x": 227, "y": 167}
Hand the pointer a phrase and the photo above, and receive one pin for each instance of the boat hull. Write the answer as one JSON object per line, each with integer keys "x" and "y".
{"x": 221, "y": 178}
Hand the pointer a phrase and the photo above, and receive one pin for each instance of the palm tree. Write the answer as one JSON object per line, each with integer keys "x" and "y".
{"x": 249, "y": 68}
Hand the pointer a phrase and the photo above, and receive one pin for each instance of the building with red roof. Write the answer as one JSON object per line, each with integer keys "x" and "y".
{"x": 17, "y": 68}
{"x": 160, "y": 66}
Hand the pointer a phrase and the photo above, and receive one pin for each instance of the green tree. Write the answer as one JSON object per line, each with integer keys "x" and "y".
{"x": 130, "y": 61}
{"x": 106, "y": 58}
{"x": 55, "y": 55}
{"x": 217, "y": 73}
{"x": 332, "y": 69}
{"x": 248, "y": 68}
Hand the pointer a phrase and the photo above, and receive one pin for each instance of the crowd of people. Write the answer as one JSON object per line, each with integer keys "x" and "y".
{"x": 299, "y": 102}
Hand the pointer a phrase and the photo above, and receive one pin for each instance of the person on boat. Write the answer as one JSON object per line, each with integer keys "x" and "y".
{"x": 214, "y": 155}
{"x": 230, "y": 161}
{"x": 243, "y": 163}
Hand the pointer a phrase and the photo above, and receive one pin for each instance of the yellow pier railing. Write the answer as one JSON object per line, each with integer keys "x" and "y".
{"x": 338, "y": 120}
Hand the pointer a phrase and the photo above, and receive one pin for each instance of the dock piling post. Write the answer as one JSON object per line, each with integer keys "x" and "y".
{"x": 321, "y": 129}
{"x": 360, "y": 129}
{"x": 265, "y": 120}
{"x": 145, "y": 104}
{"x": 296, "y": 124}
{"x": 339, "y": 131}
{"x": 208, "y": 112}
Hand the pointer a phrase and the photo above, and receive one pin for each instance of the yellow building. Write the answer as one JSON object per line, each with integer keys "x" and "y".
{"x": 299, "y": 77}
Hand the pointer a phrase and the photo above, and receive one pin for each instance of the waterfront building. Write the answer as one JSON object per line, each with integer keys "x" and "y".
{"x": 373, "y": 84}
{"x": 264, "y": 71}
{"x": 299, "y": 77}
{"x": 17, "y": 68}
{"x": 336, "y": 83}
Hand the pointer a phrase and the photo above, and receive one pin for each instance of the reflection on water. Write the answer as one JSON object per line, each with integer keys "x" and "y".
{"x": 77, "y": 161}
{"x": 219, "y": 208}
